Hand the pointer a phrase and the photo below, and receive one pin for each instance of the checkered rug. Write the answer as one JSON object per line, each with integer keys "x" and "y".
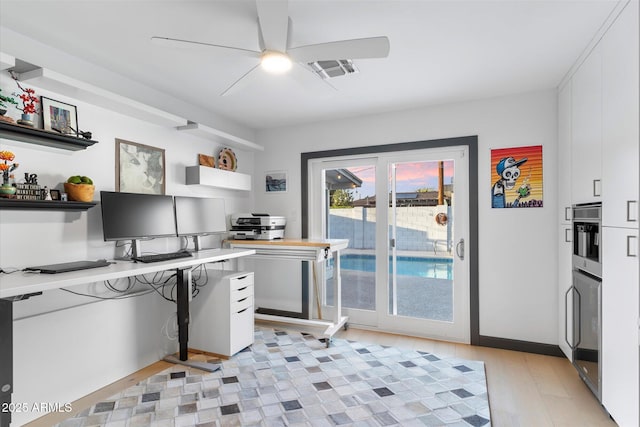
{"x": 292, "y": 379}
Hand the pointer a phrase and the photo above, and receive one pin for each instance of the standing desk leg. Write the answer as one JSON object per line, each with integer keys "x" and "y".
{"x": 182, "y": 302}
{"x": 6, "y": 360}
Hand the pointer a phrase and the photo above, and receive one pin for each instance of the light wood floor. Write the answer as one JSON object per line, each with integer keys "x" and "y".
{"x": 524, "y": 389}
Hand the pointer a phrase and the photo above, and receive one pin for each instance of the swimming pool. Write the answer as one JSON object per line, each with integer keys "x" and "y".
{"x": 435, "y": 268}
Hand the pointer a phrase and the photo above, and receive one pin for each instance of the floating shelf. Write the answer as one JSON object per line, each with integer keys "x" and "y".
{"x": 43, "y": 137}
{"x": 77, "y": 89}
{"x": 52, "y": 205}
{"x": 219, "y": 136}
{"x": 204, "y": 175}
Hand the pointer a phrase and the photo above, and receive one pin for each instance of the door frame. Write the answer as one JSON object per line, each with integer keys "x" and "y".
{"x": 472, "y": 248}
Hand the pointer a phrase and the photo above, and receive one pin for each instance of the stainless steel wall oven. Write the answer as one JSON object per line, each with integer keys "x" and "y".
{"x": 586, "y": 294}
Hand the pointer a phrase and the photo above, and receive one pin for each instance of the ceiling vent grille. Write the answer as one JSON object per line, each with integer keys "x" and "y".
{"x": 333, "y": 68}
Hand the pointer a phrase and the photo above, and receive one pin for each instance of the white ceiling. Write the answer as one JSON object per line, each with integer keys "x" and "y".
{"x": 441, "y": 51}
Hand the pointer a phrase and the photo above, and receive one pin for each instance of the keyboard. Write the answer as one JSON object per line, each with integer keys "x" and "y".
{"x": 68, "y": 266}
{"x": 162, "y": 257}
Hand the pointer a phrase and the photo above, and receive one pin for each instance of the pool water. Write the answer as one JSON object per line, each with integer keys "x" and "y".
{"x": 435, "y": 268}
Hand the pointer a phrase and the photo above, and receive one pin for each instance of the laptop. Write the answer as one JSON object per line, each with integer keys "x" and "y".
{"x": 68, "y": 266}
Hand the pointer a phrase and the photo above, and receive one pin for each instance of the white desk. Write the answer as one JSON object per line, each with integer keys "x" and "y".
{"x": 303, "y": 250}
{"x": 14, "y": 285}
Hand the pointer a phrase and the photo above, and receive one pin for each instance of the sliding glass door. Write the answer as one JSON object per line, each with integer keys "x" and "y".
{"x": 405, "y": 215}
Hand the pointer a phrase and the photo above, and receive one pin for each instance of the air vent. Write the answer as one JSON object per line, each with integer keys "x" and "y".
{"x": 333, "y": 68}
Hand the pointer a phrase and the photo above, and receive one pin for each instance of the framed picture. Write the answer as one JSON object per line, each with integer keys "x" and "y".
{"x": 139, "y": 168}
{"x": 275, "y": 182}
{"x": 516, "y": 177}
{"x": 55, "y": 194}
{"x": 59, "y": 117}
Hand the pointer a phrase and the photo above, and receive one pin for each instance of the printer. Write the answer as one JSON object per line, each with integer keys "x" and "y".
{"x": 257, "y": 226}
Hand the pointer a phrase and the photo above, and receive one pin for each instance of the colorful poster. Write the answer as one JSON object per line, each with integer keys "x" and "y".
{"x": 516, "y": 177}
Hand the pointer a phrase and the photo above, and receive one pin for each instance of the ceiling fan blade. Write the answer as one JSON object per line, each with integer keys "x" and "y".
{"x": 273, "y": 17}
{"x": 371, "y": 47}
{"x": 190, "y": 44}
{"x": 243, "y": 81}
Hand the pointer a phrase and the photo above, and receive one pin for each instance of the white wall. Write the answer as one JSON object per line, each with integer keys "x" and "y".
{"x": 517, "y": 247}
{"x": 63, "y": 353}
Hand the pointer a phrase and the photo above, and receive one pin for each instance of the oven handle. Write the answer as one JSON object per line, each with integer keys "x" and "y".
{"x": 566, "y": 323}
{"x": 577, "y": 312}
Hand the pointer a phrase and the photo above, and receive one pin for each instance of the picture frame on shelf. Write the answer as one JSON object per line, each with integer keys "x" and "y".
{"x": 59, "y": 116}
{"x": 275, "y": 181}
{"x": 55, "y": 194}
{"x": 139, "y": 168}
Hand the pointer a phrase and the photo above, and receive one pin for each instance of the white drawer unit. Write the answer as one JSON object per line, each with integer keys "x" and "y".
{"x": 222, "y": 314}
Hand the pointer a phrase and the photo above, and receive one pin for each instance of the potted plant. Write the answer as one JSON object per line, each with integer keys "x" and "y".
{"x": 4, "y": 101}
{"x": 29, "y": 101}
{"x": 6, "y": 189}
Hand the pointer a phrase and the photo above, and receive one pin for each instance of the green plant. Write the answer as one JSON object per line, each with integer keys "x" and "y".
{"x": 4, "y": 100}
{"x": 341, "y": 198}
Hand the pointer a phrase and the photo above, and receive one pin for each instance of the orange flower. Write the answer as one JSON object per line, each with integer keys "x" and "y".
{"x": 7, "y": 155}
{"x": 4, "y": 167}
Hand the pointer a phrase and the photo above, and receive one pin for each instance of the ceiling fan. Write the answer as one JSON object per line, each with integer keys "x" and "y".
{"x": 276, "y": 56}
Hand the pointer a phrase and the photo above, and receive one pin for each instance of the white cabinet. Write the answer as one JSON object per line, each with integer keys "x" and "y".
{"x": 564, "y": 153}
{"x": 222, "y": 320}
{"x": 620, "y": 191}
{"x": 620, "y": 112}
{"x": 565, "y": 318}
{"x": 586, "y": 129}
{"x": 620, "y": 370}
{"x": 220, "y": 178}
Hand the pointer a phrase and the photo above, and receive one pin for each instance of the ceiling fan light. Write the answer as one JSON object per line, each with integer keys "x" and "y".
{"x": 275, "y": 62}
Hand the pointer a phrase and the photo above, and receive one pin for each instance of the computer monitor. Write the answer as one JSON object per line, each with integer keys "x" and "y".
{"x": 199, "y": 216}
{"x": 133, "y": 216}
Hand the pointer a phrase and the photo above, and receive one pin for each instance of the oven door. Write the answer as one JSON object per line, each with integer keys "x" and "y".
{"x": 587, "y": 325}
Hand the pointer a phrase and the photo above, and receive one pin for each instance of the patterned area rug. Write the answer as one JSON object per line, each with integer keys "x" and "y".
{"x": 292, "y": 379}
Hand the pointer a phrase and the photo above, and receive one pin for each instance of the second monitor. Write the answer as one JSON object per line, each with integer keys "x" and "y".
{"x": 199, "y": 216}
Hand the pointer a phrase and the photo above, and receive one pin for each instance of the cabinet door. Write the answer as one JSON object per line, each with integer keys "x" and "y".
{"x": 620, "y": 371}
{"x": 586, "y": 109}
{"x": 564, "y": 153}
{"x": 620, "y": 122}
{"x": 565, "y": 295}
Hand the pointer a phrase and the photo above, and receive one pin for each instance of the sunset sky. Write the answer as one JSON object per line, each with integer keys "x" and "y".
{"x": 409, "y": 177}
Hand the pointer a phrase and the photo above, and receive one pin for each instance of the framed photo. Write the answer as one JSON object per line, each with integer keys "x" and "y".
{"x": 139, "y": 168}
{"x": 275, "y": 182}
{"x": 55, "y": 194}
{"x": 59, "y": 117}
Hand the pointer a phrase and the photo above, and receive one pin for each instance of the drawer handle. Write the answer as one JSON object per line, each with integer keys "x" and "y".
{"x": 242, "y": 289}
{"x": 567, "y": 235}
{"x": 567, "y": 213}
{"x": 631, "y": 251}
{"x": 630, "y": 217}
{"x": 243, "y": 299}
{"x": 243, "y": 277}
{"x": 243, "y": 310}
{"x": 596, "y": 188}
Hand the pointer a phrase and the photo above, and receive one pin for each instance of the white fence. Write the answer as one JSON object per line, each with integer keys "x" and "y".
{"x": 417, "y": 229}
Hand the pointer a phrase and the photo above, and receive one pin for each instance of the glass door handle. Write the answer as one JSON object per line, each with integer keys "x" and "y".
{"x": 460, "y": 249}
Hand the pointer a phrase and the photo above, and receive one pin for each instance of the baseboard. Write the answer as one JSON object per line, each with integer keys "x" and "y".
{"x": 517, "y": 345}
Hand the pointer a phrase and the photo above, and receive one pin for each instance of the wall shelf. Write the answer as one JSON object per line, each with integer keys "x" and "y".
{"x": 219, "y": 136}
{"x": 43, "y": 137}
{"x": 52, "y": 205}
{"x": 56, "y": 82}
{"x": 204, "y": 175}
